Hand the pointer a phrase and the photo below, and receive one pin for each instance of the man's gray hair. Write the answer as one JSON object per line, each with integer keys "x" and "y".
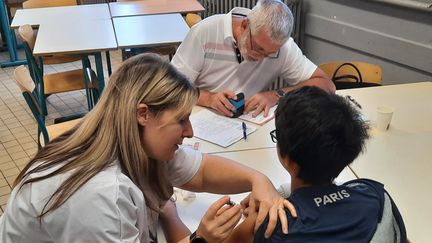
{"x": 275, "y": 17}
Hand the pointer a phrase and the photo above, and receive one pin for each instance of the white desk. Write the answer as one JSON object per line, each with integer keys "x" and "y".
{"x": 259, "y": 139}
{"x": 413, "y": 104}
{"x": 401, "y": 158}
{"x": 150, "y": 30}
{"x": 78, "y": 29}
{"x": 39, "y": 16}
{"x": 402, "y": 162}
{"x": 147, "y": 7}
{"x": 263, "y": 160}
{"x": 77, "y": 37}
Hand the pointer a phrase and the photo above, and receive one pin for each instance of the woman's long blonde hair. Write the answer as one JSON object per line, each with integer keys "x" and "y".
{"x": 111, "y": 132}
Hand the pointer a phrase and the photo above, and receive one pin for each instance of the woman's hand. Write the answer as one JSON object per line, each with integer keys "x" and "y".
{"x": 219, "y": 220}
{"x": 266, "y": 200}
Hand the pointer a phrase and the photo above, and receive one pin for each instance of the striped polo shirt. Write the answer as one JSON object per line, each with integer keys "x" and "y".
{"x": 207, "y": 57}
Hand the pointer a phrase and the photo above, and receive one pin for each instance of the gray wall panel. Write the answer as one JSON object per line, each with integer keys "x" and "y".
{"x": 398, "y": 39}
{"x": 394, "y": 73}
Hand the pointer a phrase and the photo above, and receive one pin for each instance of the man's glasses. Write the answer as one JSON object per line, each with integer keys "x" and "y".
{"x": 271, "y": 55}
{"x": 273, "y": 136}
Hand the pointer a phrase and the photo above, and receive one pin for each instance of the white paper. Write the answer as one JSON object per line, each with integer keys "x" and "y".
{"x": 260, "y": 119}
{"x": 218, "y": 129}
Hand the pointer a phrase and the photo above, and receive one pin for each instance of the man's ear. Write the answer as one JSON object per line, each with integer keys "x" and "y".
{"x": 244, "y": 24}
{"x": 143, "y": 114}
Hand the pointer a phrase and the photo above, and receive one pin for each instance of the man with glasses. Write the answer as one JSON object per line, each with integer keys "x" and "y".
{"x": 245, "y": 51}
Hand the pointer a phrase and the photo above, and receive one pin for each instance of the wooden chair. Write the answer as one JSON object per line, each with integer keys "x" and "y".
{"x": 50, "y": 83}
{"x": 52, "y": 59}
{"x": 192, "y": 19}
{"x": 29, "y": 91}
{"x": 370, "y": 73}
{"x": 48, "y": 3}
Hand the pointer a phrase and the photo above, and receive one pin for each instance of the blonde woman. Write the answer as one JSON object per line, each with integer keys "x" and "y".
{"x": 108, "y": 178}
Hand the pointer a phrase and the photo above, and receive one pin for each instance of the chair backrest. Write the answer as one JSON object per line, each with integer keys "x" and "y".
{"x": 27, "y": 35}
{"x": 36, "y": 66}
{"x": 371, "y": 73}
{"x": 192, "y": 18}
{"x": 29, "y": 91}
{"x": 48, "y": 3}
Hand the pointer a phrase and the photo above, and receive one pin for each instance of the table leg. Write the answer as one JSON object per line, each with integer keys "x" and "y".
{"x": 108, "y": 62}
{"x": 10, "y": 43}
{"x": 99, "y": 71}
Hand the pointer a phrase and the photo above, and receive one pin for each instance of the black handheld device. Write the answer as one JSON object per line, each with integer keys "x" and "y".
{"x": 238, "y": 104}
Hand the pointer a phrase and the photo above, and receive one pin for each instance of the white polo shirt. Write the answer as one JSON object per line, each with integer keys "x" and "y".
{"x": 208, "y": 58}
{"x": 107, "y": 208}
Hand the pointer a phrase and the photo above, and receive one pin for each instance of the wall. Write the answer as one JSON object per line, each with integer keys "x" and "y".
{"x": 397, "y": 38}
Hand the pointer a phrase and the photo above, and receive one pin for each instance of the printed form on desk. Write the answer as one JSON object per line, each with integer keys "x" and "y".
{"x": 218, "y": 129}
{"x": 260, "y": 119}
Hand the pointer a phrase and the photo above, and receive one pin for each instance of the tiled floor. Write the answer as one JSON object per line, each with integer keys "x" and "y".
{"x": 18, "y": 129}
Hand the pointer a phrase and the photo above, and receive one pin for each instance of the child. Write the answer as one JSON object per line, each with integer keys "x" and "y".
{"x": 318, "y": 134}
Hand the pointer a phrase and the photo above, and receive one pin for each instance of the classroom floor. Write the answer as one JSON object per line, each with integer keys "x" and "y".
{"x": 18, "y": 129}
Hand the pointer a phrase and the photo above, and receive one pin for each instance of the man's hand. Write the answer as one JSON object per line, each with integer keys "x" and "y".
{"x": 266, "y": 200}
{"x": 260, "y": 102}
{"x": 219, "y": 102}
{"x": 219, "y": 220}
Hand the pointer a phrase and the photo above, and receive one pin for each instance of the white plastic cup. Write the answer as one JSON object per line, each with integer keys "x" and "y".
{"x": 384, "y": 116}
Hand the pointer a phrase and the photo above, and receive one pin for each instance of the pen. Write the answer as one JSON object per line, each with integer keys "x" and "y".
{"x": 244, "y": 127}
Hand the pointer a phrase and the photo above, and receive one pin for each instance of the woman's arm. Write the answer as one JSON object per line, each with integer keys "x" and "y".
{"x": 220, "y": 175}
{"x": 173, "y": 228}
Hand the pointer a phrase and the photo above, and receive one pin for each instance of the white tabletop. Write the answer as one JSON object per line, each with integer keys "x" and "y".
{"x": 39, "y": 16}
{"x": 263, "y": 160}
{"x": 401, "y": 158}
{"x": 80, "y": 36}
{"x": 149, "y": 30}
{"x": 259, "y": 139}
{"x": 413, "y": 104}
{"x": 134, "y": 8}
{"x": 403, "y": 163}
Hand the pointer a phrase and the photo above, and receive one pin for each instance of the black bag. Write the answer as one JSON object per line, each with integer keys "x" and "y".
{"x": 342, "y": 83}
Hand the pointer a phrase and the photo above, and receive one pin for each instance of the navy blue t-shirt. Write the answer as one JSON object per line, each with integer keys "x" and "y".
{"x": 346, "y": 213}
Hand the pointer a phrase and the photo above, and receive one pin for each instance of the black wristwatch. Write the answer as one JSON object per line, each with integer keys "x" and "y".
{"x": 280, "y": 93}
{"x": 196, "y": 239}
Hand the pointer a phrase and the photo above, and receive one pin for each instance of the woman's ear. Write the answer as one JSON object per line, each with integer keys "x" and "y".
{"x": 143, "y": 114}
